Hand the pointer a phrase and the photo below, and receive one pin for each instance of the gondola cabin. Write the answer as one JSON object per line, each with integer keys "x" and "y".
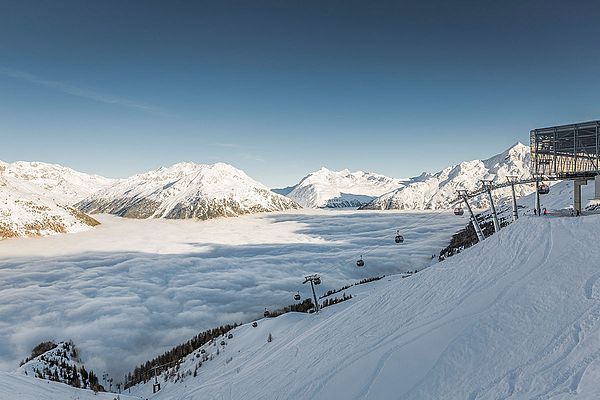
{"x": 398, "y": 238}
{"x": 543, "y": 189}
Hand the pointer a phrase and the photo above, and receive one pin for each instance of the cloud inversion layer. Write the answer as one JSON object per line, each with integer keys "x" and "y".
{"x": 122, "y": 306}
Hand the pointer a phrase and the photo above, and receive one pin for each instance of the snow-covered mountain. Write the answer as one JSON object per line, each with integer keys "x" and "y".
{"x": 325, "y": 188}
{"x": 436, "y": 191}
{"x": 187, "y": 190}
{"x": 27, "y": 209}
{"x": 62, "y": 184}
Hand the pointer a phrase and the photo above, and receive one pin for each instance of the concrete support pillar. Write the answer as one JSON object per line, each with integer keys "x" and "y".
{"x": 577, "y": 184}
{"x": 537, "y": 197}
{"x": 597, "y": 187}
{"x": 514, "y": 202}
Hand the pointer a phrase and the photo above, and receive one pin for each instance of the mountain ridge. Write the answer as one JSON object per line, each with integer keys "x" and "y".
{"x": 186, "y": 190}
{"x": 27, "y": 209}
{"x": 63, "y": 184}
{"x": 437, "y": 190}
{"x": 326, "y": 188}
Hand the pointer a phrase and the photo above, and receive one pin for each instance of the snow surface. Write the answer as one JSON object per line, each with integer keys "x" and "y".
{"x": 335, "y": 189}
{"x": 27, "y": 209}
{"x": 560, "y": 196}
{"x": 131, "y": 289}
{"x": 558, "y": 202}
{"x": 15, "y": 386}
{"x": 64, "y": 185}
{"x": 187, "y": 190}
{"x": 517, "y": 316}
{"x": 436, "y": 191}
{"x": 62, "y": 359}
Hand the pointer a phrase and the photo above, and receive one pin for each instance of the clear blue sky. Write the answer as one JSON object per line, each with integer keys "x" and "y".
{"x": 281, "y": 88}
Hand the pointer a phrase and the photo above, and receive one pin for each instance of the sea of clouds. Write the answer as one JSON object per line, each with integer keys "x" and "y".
{"x": 132, "y": 289}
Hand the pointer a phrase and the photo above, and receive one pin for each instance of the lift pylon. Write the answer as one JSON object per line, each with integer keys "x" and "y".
{"x": 478, "y": 231}
{"x": 487, "y": 184}
{"x": 313, "y": 279}
{"x": 513, "y": 179}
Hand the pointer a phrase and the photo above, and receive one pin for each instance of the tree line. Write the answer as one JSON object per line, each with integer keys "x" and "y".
{"x": 144, "y": 372}
{"x": 361, "y": 282}
{"x": 57, "y": 366}
{"x": 335, "y": 300}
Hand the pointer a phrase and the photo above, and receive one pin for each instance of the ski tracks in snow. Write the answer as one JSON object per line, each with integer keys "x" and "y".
{"x": 544, "y": 366}
{"x": 355, "y": 356}
{"x": 389, "y": 344}
{"x": 591, "y": 288}
{"x": 556, "y": 364}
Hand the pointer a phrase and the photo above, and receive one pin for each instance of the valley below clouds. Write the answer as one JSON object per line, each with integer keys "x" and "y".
{"x": 131, "y": 289}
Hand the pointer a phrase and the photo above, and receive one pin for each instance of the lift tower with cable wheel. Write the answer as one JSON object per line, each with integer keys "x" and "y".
{"x": 513, "y": 179}
{"x": 314, "y": 280}
{"x": 487, "y": 184}
{"x": 478, "y": 231}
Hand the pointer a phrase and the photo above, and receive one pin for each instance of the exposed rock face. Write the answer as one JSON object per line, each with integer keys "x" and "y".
{"x": 187, "y": 190}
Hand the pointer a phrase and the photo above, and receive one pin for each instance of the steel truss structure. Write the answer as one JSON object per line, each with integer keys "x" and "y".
{"x": 566, "y": 151}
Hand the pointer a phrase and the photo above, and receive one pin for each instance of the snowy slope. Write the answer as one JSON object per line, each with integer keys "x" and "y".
{"x": 558, "y": 201}
{"x": 436, "y": 191}
{"x": 15, "y": 386}
{"x": 187, "y": 190}
{"x": 492, "y": 322}
{"x": 64, "y": 185}
{"x": 60, "y": 364}
{"x": 27, "y": 209}
{"x": 325, "y": 188}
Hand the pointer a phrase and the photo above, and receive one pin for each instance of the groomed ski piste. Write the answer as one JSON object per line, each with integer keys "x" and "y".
{"x": 516, "y": 316}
